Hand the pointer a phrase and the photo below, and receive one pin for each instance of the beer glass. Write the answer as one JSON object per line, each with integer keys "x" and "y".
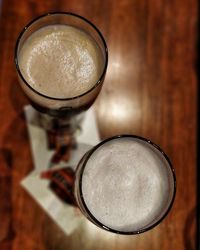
{"x": 125, "y": 185}
{"x": 60, "y": 116}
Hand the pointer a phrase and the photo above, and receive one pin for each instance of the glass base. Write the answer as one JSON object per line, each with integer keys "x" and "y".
{"x": 42, "y": 153}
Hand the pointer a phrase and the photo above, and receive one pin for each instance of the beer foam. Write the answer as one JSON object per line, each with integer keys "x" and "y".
{"x": 61, "y": 61}
{"x": 126, "y": 184}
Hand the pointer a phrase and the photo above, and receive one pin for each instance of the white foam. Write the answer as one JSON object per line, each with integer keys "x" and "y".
{"x": 61, "y": 61}
{"x": 126, "y": 184}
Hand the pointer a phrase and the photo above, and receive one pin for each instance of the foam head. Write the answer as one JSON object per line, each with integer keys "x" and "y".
{"x": 61, "y": 61}
{"x": 127, "y": 184}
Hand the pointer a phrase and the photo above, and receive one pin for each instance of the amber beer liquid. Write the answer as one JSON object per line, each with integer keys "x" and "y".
{"x": 61, "y": 66}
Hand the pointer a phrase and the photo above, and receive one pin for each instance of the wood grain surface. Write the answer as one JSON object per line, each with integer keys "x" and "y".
{"x": 150, "y": 90}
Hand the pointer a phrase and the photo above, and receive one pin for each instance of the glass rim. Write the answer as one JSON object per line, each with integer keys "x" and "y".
{"x": 68, "y": 14}
{"x": 142, "y": 230}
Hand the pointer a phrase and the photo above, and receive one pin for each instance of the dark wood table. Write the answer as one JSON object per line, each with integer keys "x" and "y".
{"x": 150, "y": 90}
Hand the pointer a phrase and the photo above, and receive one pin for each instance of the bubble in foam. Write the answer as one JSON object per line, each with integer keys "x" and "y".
{"x": 61, "y": 61}
{"x": 126, "y": 184}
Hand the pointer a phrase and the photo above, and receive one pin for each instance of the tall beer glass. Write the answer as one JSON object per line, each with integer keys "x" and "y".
{"x": 68, "y": 105}
{"x": 126, "y": 184}
{"x": 61, "y": 60}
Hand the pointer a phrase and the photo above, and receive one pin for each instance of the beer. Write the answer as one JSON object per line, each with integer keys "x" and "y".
{"x": 61, "y": 61}
{"x": 61, "y": 66}
{"x": 126, "y": 185}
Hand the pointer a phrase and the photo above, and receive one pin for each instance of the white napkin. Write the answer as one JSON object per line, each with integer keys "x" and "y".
{"x": 63, "y": 214}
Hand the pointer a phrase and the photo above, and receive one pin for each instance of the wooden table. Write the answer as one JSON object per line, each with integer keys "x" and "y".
{"x": 150, "y": 90}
